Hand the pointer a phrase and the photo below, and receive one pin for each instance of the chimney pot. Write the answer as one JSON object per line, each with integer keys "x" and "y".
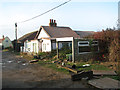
{"x": 52, "y": 21}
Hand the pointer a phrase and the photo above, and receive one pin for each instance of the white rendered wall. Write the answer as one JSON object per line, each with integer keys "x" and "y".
{"x": 46, "y": 42}
{"x": 31, "y": 46}
{"x": 43, "y": 34}
{"x": 28, "y": 46}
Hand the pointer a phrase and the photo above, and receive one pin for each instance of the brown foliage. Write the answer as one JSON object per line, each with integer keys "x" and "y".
{"x": 109, "y": 43}
{"x": 114, "y": 50}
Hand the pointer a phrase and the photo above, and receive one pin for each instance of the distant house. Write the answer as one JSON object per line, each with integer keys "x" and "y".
{"x": 24, "y": 47}
{"x": 1, "y": 43}
{"x": 53, "y": 37}
{"x": 5, "y": 42}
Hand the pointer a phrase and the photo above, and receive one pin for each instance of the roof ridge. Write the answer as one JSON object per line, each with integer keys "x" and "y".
{"x": 84, "y": 31}
{"x": 57, "y": 26}
{"x": 60, "y": 31}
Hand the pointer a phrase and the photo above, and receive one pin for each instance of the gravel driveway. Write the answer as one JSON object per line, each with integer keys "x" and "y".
{"x": 18, "y": 73}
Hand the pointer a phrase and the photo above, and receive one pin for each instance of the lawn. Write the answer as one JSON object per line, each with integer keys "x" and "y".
{"x": 49, "y": 64}
{"x": 94, "y": 66}
{"x": 54, "y": 66}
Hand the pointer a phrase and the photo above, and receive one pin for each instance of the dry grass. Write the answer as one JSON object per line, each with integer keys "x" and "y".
{"x": 26, "y": 56}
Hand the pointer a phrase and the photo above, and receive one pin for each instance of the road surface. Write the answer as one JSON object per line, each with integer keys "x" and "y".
{"x": 18, "y": 73}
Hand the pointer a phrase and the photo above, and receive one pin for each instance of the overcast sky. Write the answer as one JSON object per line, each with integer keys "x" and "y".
{"x": 90, "y": 15}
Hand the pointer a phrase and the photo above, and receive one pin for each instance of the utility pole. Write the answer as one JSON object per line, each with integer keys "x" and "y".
{"x": 16, "y": 36}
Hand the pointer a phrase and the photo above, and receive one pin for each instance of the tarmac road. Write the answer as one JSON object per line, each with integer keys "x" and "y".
{"x": 18, "y": 73}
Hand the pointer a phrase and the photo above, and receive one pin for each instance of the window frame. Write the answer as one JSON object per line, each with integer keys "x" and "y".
{"x": 87, "y": 45}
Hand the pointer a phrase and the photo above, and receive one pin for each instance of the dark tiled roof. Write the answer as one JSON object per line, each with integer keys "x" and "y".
{"x": 29, "y": 36}
{"x": 83, "y": 34}
{"x": 37, "y": 34}
{"x": 58, "y": 32}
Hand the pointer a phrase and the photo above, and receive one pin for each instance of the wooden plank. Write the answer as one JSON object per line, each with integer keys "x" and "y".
{"x": 68, "y": 67}
{"x": 105, "y": 83}
{"x": 32, "y": 61}
{"x": 103, "y": 72}
{"x": 71, "y": 69}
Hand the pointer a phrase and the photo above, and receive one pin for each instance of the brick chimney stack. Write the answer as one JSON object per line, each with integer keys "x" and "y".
{"x": 52, "y": 23}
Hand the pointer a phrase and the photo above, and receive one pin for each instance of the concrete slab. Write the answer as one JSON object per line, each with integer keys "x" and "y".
{"x": 105, "y": 83}
{"x": 103, "y": 72}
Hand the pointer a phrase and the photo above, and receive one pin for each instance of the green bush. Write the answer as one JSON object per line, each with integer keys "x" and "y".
{"x": 63, "y": 51}
{"x": 42, "y": 53}
{"x": 47, "y": 55}
{"x": 9, "y": 48}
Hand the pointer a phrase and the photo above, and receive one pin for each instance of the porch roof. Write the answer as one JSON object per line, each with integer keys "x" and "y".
{"x": 65, "y": 39}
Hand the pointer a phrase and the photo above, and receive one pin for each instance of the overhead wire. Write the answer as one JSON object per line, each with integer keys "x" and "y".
{"x": 45, "y": 12}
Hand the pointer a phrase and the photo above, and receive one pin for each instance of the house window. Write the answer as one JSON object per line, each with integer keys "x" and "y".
{"x": 86, "y": 47}
{"x": 95, "y": 43}
{"x": 26, "y": 44}
{"x": 6, "y": 40}
{"x": 83, "y": 43}
{"x": 44, "y": 46}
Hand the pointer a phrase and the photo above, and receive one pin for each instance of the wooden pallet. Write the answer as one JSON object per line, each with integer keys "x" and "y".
{"x": 78, "y": 75}
{"x": 82, "y": 74}
{"x": 105, "y": 83}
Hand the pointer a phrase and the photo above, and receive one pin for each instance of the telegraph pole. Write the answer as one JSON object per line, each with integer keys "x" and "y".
{"x": 16, "y": 36}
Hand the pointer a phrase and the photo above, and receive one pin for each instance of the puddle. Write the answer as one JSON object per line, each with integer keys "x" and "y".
{"x": 19, "y": 62}
{"x": 25, "y": 64}
{"x": 9, "y": 61}
{"x": 3, "y": 66}
{"x": 2, "y": 63}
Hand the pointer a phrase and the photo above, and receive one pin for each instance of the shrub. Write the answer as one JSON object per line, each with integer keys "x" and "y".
{"x": 63, "y": 51}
